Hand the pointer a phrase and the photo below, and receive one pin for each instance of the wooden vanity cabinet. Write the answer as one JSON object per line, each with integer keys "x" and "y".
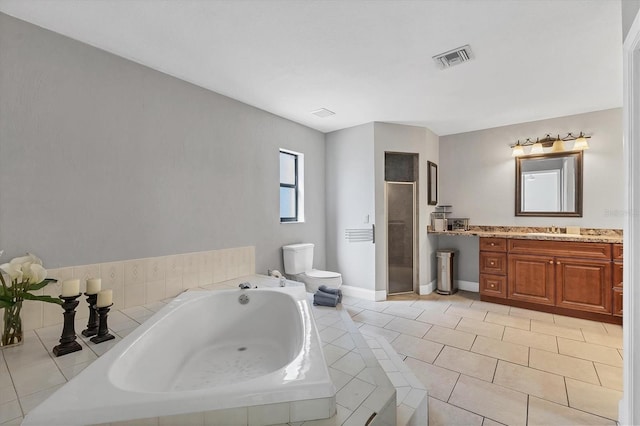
{"x": 569, "y": 278}
{"x": 493, "y": 267}
{"x": 617, "y": 280}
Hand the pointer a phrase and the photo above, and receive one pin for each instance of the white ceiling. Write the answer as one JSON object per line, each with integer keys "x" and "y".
{"x": 366, "y": 60}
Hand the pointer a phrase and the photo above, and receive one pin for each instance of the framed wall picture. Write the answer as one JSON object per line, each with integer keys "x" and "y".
{"x": 432, "y": 183}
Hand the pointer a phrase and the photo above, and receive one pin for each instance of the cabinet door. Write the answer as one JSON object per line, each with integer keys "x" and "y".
{"x": 617, "y": 302}
{"x": 583, "y": 284}
{"x": 531, "y": 279}
{"x": 493, "y": 263}
{"x": 493, "y": 285}
{"x": 617, "y": 274}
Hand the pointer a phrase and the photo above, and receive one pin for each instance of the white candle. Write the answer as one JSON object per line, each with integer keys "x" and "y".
{"x": 93, "y": 285}
{"x": 70, "y": 288}
{"x": 105, "y": 298}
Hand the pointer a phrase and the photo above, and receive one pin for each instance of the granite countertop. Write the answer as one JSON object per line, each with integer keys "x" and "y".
{"x": 590, "y": 235}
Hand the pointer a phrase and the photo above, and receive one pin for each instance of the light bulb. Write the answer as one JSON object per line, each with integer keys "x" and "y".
{"x": 581, "y": 143}
{"x": 537, "y": 148}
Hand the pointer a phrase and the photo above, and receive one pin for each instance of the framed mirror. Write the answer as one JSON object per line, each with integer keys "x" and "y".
{"x": 549, "y": 185}
{"x": 432, "y": 183}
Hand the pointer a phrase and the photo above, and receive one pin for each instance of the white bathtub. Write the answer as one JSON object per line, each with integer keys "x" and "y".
{"x": 204, "y": 351}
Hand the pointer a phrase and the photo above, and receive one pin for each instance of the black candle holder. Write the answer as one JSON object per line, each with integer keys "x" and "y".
{"x": 92, "y": 324}
{"x": 68, "y": 342}
{"x": 103, "y": 329}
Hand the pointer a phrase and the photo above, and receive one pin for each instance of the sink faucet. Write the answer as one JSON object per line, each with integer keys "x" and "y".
{"x": 245, "y": 286}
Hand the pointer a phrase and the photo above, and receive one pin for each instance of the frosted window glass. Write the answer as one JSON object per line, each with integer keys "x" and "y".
{"x": 287, "y": 202}
{"x": 287, "y": 168}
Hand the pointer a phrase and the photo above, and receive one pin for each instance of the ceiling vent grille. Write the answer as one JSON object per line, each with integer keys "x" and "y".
{"x": 454, "y": 57}
{"x": 322, "y": 112}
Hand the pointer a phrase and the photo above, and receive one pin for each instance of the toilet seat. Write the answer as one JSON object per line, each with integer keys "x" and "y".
{"x": 314, "y": 273}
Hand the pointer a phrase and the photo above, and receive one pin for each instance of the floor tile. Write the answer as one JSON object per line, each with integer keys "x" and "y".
{"x": 443, "y": 414}
{"x": 613, "y": 329}
{"x": 545, "y": 413}
{"x": 373, "y": 318}
{"x": 438, "y": 381}
{"x": 372, "y": 330}
{"x": 414, "y": 347}
{"x": 534, "y": 315}
{"x": 467, "y": 313}
{"x": 450, "y": 337}
{"x": 408, "y": 312}
{"x": 555, "y": 330}
{"x": 329, "y": 334}
{"x": 610, "y": 377}
{"x": 439, "y": 318}
{"x": 432, "y": 305}
{"x": 531, "y": 381}
{"x": 496, "y": 402}
{"x": 333, "y": 353}
{"x": 563, "y": 365}
{"x": 7, "y": 393}
{"x": 36, "y": 377}
{"x": 354, "y": 393}
{"x": 502, "y": 350}
{"x": 578, "y": 323}
{"x": 30, "y": 402}
{"x": 351, "y": 364}
{"x": 345, "y": 341}
{"x": 373, "y": 306}
{"x": 407, "y": 326}
{"x": 9, "y": 411}
{"x": 593, "y": 399}
{"x": 589, "y": 351}
{"x": 604, "y": 339}
{"x": 490, "y": 307}
{"x": 528, "y": 338}
{"x": 465, "y": 362}
{"x": 481, "y": 328}
{"x": 508, "y": 320}
{"x": 489, "y": 422}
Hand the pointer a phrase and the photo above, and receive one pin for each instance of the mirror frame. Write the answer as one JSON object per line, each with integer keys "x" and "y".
{"x": 432, "y": 184}
{"x": 578, "y": 188}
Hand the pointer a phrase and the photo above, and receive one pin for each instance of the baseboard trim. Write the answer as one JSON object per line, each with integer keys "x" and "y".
{"x": 468, "y": 286}
{"x": 427, "y": 288}
{"x": 364, "y": 293}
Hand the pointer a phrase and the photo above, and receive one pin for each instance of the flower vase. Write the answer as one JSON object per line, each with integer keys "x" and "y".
{"x": 12, "y": 326}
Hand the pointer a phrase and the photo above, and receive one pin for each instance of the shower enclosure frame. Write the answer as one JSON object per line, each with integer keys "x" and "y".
{"x": 414, "y": 236}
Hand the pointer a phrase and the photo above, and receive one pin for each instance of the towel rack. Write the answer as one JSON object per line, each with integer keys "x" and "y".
{"x": 361, "y": 235}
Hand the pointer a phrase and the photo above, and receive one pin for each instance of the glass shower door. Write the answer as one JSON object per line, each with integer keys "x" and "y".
{"x": 400, "y": 237}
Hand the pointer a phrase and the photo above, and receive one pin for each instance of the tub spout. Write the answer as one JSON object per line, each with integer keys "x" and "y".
{"x": 245, "y": 286}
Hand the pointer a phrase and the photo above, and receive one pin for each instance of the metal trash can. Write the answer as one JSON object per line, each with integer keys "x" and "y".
{"x": 445, "y": 284}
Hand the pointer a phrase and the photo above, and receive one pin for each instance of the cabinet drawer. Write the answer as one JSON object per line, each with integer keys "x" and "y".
{"x": 493, "y": 244}
{"x": 617, "y": 252}
{"x": 617, "y": 274}
{"x": 493, "y": 263}
{"x": 561, "y": 248}
{"x": 493, "y": 285}
{"x": 617, "y": 302}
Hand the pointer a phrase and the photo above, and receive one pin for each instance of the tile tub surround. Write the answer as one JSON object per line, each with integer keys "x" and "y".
{"x": 591, "y": 235}
{"x": 364, "y": 388}
{"x": 139, "y": 282}
{"x": 585, "y": 379}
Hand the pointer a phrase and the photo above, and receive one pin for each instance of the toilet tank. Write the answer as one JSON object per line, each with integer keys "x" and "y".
{"x": 298, "y": 258}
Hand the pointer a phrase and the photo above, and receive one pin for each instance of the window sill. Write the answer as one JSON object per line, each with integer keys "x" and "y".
{"x": 293, "y": 221}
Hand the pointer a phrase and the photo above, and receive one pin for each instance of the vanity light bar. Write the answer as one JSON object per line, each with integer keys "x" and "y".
{"x": 556, "y": 144}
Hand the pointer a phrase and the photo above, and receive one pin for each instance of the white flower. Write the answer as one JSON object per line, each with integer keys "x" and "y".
{"x": 28, "y": 258}
{"x": 37, "y": 274}
{"x": 13, "y": 270}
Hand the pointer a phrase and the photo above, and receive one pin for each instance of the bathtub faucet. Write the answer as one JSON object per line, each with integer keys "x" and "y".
{"x": 245, "y": 286}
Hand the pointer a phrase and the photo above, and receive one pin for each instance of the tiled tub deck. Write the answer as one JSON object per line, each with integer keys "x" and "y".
{"x": 29, "y": 374}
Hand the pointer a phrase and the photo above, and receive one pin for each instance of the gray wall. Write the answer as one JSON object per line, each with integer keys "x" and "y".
{"x": 103, "y": 159}
{"x": 629, "y": 11}
{"x": 477, "y": 176}
{"x": 350, "y": 199}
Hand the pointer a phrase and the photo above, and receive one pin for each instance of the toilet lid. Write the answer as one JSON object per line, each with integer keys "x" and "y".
{"x": 322, "y": 274}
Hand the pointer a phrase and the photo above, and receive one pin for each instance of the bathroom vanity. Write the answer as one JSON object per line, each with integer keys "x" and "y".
{"x": 574, "y": 278}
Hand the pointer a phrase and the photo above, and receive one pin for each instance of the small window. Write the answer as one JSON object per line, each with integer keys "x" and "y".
{"x": 291, "y": 186}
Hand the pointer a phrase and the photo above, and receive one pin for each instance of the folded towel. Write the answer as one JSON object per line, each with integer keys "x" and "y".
{"x": 325, "y": 299}
{"x": 330, "y": 290}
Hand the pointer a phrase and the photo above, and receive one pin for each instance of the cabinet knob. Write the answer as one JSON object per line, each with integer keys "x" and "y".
{"x": 551, "y": 262}
{"x": 557, "y": 263}
{"x": 492, "y": 285}
{"x": 492, "y": 263}
{"x": 493, "y": 244}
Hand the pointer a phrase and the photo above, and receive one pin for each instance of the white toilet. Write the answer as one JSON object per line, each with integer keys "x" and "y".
{"x": 298, "y": 264}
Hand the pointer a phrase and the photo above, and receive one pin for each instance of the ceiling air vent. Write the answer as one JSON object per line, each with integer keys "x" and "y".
{"x": 322, "y": 112}
{"x": 454, "y": 57}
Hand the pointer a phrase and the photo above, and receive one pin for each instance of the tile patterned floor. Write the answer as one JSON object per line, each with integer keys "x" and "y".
{"x": 482, "y": 364}
{"x": 488, "y": 364}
